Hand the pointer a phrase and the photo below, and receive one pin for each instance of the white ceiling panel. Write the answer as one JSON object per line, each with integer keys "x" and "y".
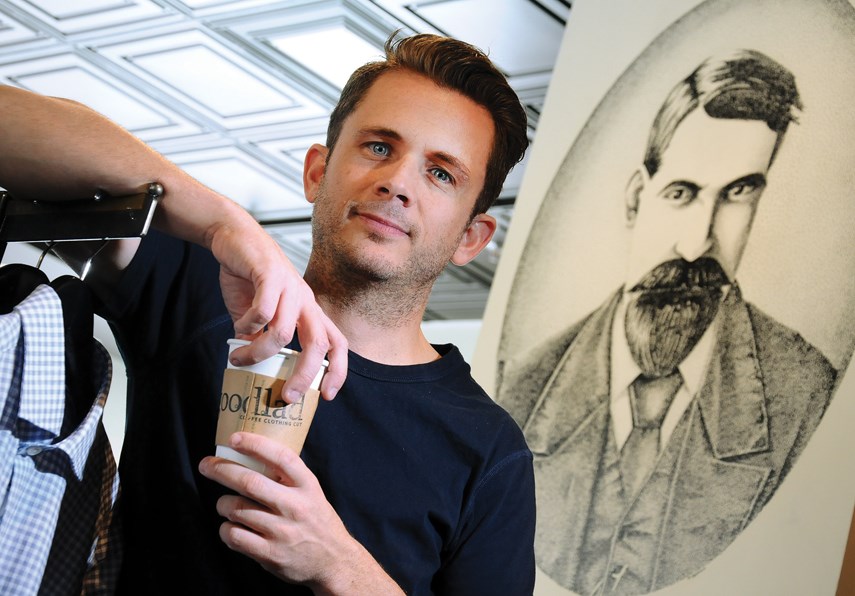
{"x": 11, "y": 31}
{"x": 314, "y": 43}
{"x": 96, "y": 93}
{"x": 213, "y": 79}
{"x": 332, "y": 50}
{"x": 518, "y": 35}
{"x": 291, "y": 150}
{"x": 232, "y": 172}
{"x": 72, "y": 77}
{"x": 79, "y": 84}
{"x": 75, "y": 16}
{"x": 214, "y": 7}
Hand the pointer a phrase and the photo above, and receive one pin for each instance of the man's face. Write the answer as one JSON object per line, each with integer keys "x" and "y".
{"x": 394, "y": 200}
{"x": 691, "y": 221}
{"x": 703, "y": 198}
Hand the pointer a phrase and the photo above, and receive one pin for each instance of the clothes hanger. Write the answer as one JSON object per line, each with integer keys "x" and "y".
{"x": 101, "y": 216}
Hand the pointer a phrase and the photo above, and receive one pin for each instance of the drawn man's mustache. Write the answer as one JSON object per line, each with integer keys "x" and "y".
{"x": 681, "y": 275}
{"x": 670, "y": 309}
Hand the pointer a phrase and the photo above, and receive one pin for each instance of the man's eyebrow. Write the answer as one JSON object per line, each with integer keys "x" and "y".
{"x": 756, "y": 179}
{"x": 386, "y": 133}
{"x": 452, "y": 163}
{"x": 680, "y": 182}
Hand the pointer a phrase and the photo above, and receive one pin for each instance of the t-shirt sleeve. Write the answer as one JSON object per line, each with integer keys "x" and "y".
{"x": 494, "y": 552}
{"x": 169, "y": 291}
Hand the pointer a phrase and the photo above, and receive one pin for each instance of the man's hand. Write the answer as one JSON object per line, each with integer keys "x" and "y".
{"x": 284, "y": 521}
{"x": 262, "y": 289}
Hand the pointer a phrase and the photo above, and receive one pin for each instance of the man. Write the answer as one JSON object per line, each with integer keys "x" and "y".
{"x": 412, "y": 479}
{"x": 664, "y": 421}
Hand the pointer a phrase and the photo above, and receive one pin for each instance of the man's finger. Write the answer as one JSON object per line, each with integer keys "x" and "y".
{"x": 337, "y": 369}
{"x": 261, "y": 347}
{"x": 281, "y": 461}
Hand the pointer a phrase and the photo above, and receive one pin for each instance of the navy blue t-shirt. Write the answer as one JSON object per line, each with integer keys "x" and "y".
{"x": 425, "y": 470}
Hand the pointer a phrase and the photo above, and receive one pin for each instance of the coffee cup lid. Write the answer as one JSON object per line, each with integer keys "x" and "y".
{"x": 287, "y": 352}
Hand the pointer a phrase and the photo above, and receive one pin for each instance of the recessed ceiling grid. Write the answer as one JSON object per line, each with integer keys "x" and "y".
{"x": 235, "y": 91}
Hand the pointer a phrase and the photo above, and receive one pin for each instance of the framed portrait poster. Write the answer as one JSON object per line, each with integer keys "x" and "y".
{"x": 673, "y": 317}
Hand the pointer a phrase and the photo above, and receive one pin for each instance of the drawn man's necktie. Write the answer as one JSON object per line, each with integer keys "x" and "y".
{"x": 650, "y": 398}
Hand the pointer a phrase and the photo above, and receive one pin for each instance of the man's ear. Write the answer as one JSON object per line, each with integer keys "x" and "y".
{"x": 314, "y": 167}
{"x": 478, "y": 233}
{"x": 632, "y": 195}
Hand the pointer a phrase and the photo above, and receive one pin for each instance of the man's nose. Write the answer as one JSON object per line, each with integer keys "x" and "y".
{"x": 396, "y": 180}
{"x": 696, "y": 237}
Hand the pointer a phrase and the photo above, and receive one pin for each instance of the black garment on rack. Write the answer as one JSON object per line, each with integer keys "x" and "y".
{"x": 17, "y": 282}
{"x": 77, "y": 317}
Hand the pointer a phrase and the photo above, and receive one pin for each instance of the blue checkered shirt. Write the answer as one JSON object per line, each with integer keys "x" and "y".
{"x": 58, "y": 534}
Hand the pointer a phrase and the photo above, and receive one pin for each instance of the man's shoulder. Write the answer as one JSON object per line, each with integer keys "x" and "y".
{"x": 546, "y": 354}
{"x": 484, "y": 420}
{"x": 521, "y": 377}
{"x": 785, "y": 349}
{"x": 797, "y": 377}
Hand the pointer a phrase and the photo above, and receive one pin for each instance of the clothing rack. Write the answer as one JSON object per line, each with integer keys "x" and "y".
{"x": 61, "y": 533}
{"x": 100, "y": 217}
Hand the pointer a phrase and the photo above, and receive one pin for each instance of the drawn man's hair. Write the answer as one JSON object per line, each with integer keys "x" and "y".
{"x": 461, "y": 67}
{"x": 744, "y": 85}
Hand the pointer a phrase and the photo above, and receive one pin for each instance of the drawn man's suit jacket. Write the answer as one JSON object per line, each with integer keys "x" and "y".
{"x": 765, "y": 391}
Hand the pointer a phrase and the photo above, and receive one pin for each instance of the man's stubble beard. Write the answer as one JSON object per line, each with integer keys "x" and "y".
{"x": 670, "y": 309}
{"x": 371, "y": 284}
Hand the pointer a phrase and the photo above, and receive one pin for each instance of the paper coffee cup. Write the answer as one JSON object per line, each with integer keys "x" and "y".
{"x": 251, "y": 401}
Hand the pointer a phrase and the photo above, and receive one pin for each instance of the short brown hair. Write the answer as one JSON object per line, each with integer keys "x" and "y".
{"x": 455, "y": 65}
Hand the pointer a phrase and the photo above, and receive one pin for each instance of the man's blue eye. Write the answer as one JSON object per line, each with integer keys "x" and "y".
{"x": 442, "y": 175}
{"x": 380, "y": 149}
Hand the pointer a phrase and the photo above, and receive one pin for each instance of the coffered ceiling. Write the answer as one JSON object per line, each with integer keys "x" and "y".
{"x": 235, "y": 91}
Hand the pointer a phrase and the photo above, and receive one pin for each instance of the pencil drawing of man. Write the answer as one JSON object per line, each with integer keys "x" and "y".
{"x": 665, "y": 420}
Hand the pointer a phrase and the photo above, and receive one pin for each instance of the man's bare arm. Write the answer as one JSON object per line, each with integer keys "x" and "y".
{"x": 57, "y": 149}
